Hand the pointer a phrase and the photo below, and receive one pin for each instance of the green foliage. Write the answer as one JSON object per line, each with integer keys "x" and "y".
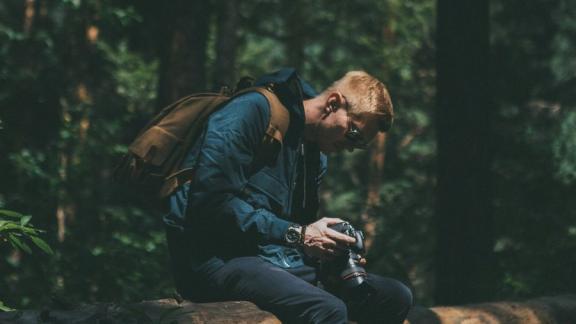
{"x": 70, "y": 106}
{"x": 534, "y": 154}
{"x": 16, "y": 229}
{"x": 564, "y": 149}
{"x": 4, "y": 308}
{"x": 135, "y": 78}
{"x": 70, "y": 111}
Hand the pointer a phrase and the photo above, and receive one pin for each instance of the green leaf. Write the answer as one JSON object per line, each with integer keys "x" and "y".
{"x": 21, "y": 245}
{"x": 29, "y": 230}
{"x": 5, "y": 308}
{"x": 42, "y": 244}
{"x": 25, "y": 220}
{"x": 10, "y": 225}
{"x": 9, "y": 213}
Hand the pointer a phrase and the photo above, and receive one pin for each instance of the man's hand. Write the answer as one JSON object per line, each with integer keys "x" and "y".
{"x": 324, "y": 243}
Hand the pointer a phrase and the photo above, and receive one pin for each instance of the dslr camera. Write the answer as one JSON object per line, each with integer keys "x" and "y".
{"x": 346, "y": 268}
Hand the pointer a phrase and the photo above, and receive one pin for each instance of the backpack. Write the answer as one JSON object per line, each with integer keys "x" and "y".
{"x": 154, "y": 158}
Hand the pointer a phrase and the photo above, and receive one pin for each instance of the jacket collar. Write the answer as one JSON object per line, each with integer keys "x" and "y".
{"x": 292, "y": 92}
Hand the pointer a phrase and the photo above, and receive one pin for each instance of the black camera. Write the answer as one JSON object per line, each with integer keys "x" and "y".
{"x": 346, "y": 266}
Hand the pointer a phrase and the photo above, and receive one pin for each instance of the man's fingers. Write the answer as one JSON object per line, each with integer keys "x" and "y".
{"x": 327, "y": 243}
{"x": 339, "y": 236}
{"x": 332, "y": 221}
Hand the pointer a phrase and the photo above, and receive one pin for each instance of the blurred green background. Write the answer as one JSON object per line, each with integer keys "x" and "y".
{"x": 79, "y": 78}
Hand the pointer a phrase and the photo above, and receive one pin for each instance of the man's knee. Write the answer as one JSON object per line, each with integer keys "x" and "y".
{"x": 328, "y": 310}
{"x": 385, "y": 300}
{"x": 397, "y": 301}
{"x": 403, "y": 297}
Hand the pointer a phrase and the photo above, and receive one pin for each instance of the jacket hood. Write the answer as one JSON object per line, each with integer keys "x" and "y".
{"x": 284, "y": 75}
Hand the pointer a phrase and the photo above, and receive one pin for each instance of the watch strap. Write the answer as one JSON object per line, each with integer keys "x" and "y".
{"x": 302, "y": 236}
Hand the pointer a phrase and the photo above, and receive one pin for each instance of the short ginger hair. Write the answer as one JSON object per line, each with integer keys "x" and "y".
{"x": 366, "y": 96}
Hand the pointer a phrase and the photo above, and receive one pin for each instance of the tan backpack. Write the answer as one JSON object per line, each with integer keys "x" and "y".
{"x": 154, "y": 158}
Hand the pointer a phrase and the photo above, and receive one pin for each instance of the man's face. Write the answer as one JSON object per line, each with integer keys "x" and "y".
{"x": 341, "y": 131}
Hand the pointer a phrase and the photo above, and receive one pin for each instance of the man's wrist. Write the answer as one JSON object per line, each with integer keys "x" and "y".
{"x": 302, "y": 236}
{"x": 294, "y": 235}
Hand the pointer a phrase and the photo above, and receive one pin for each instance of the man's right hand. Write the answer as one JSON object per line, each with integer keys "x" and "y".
{"x": 324, "y": 243}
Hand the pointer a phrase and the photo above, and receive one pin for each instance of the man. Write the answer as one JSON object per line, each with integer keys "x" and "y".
{"x": 243, "y": 231}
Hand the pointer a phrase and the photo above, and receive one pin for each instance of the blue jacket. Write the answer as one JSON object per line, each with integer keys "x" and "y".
{"x": 232, "y": 209}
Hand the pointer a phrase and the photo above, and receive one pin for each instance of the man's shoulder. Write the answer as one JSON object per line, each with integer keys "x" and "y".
{"x": 251, "y": 105}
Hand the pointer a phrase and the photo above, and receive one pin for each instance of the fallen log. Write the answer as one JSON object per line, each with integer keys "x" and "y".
{"x": 545, "y": 310}
{"x": 163, "y": 311}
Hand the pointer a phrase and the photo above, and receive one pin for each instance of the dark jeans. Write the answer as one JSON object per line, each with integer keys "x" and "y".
{"x": 290, "y": 295}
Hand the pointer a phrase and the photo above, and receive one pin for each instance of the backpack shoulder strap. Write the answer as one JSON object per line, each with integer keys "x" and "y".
{"x": 279, "y": 115}
{"x": 271, "y": 142}
{"x": 277, "y": 126}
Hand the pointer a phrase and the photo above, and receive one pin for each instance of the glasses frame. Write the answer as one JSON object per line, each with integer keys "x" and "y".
{"x": 353, "y": 133}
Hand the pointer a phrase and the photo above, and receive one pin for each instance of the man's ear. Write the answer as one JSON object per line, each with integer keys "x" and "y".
{"x": 334, "y": 101}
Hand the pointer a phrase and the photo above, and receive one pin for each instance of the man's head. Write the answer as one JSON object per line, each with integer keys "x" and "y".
{"x": 349, "y": 113}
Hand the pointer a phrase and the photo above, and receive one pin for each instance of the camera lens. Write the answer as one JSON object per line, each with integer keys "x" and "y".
{"x": 347, "y": 267}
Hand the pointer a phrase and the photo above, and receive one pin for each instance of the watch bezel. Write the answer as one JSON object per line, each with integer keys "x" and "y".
{"x": 293, "y": 235}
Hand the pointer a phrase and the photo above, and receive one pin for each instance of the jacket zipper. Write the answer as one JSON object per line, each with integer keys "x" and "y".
{"x": 293, "y": 179}
{"x": 304, "y": 176}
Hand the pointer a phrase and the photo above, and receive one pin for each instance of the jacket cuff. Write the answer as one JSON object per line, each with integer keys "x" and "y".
{"x": 278, "y": 230}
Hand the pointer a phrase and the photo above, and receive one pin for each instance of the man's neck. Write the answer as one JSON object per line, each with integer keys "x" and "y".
{"x": 313, "y": 115}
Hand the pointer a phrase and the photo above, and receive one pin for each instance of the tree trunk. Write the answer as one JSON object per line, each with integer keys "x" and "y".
{"x": 464, "y": 260}
{"x": 226, "y": 44}
{"x": 183, "y": 49}
{"x": 369, "y": 220}
{"x": 29, "y": 14}
{"x": 83, "y": 79}
{"x": 296, "y": 32}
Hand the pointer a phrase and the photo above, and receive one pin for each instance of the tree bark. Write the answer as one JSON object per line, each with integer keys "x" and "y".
{"x": 559, "y": 309}
{"x": 183, "y": 49}
{"x": 29, "y": 14}
{"x": 226, "y": 44}
{"x": 369, "y": 220}
{"x": 158, "y": 311}
{"x": 464, "y": 260}
{"x": 296, "y": 31}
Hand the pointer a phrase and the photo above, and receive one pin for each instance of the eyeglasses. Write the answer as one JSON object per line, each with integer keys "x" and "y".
{"x": 353, "y": 134}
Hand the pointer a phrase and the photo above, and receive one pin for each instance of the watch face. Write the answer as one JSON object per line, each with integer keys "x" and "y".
{"x": 292, "y": 235}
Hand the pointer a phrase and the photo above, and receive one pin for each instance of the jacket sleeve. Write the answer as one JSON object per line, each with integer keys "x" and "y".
{"x": 231, "y": 139}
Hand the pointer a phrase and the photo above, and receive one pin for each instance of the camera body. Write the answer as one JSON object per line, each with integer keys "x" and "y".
{"x": 346, "y": 267}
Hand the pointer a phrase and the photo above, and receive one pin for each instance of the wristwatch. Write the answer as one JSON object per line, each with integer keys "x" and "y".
{"x": 294, "y": 235}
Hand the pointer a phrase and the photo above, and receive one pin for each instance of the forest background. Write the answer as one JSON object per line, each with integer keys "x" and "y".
{"x": 468, "y": 198}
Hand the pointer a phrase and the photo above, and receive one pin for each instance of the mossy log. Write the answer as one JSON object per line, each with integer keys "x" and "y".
{"x": 560, "y": 309}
